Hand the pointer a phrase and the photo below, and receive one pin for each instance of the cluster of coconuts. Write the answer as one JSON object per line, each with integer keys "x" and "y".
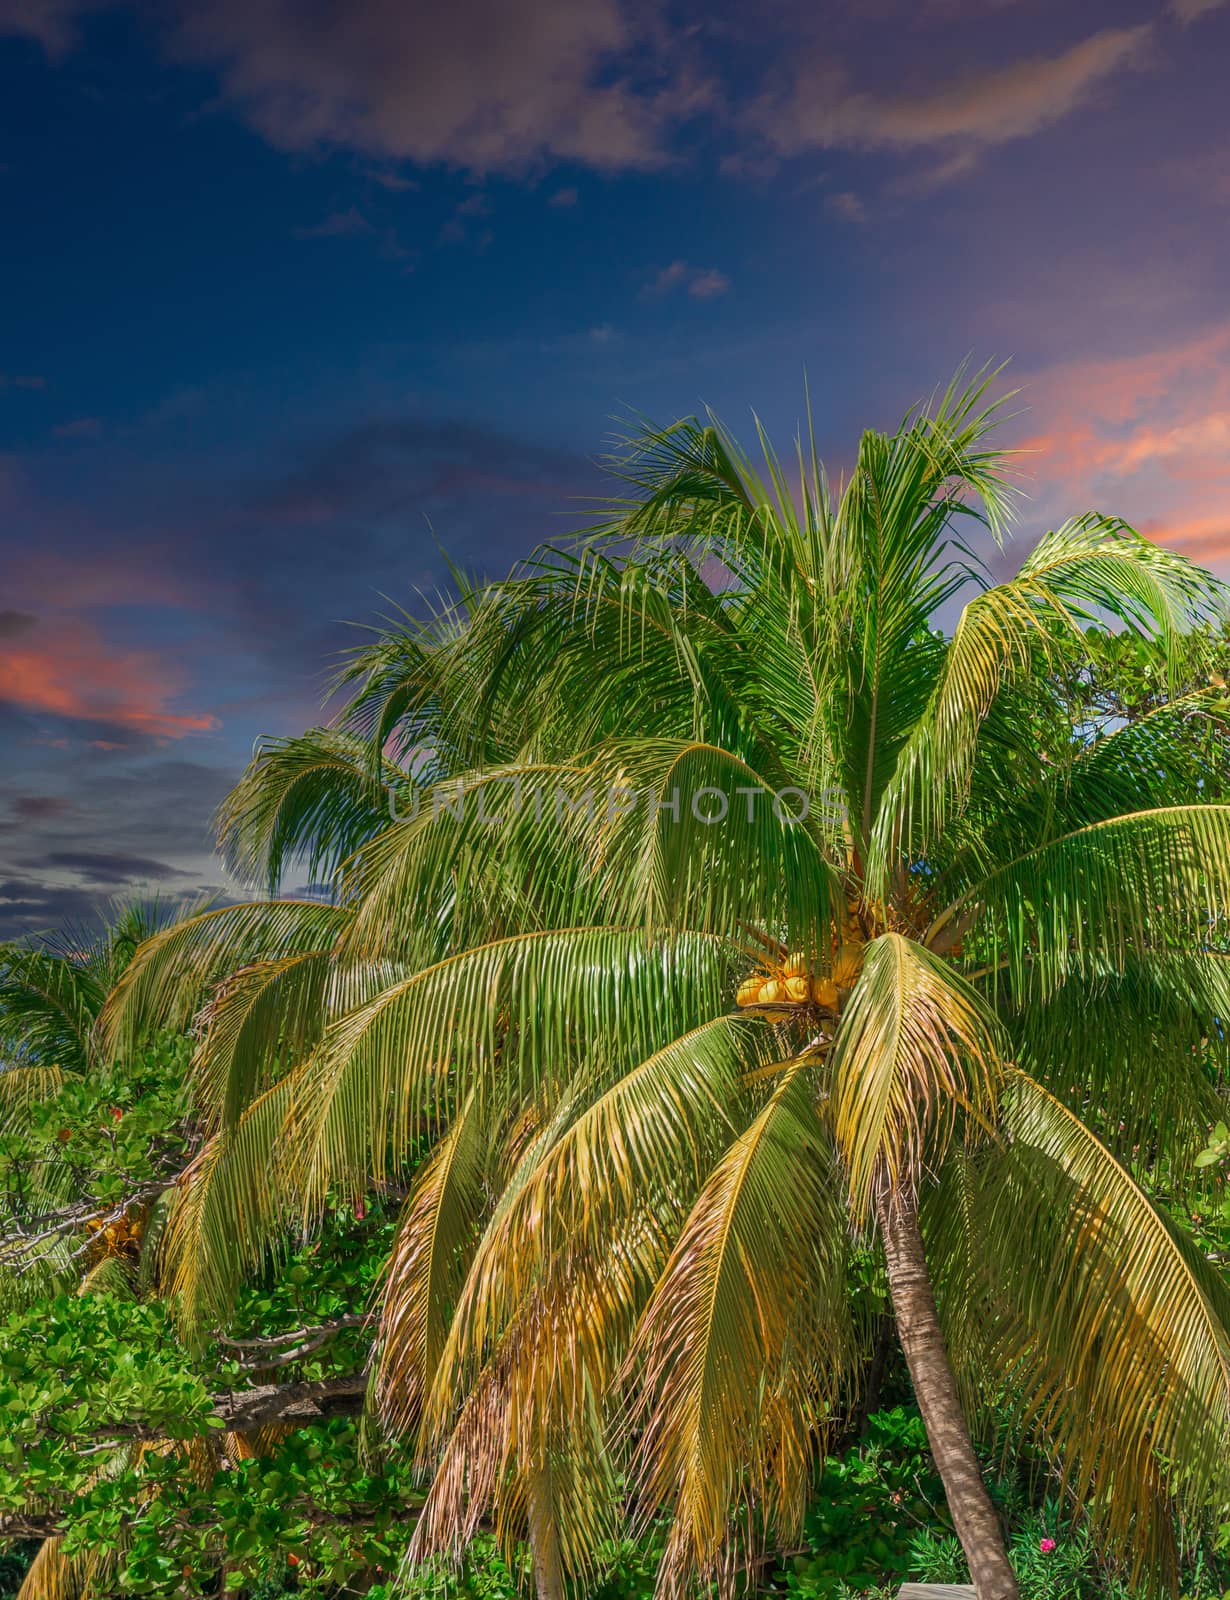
{"x": 119, "y": 1238}
{"x": 796, "y": 983}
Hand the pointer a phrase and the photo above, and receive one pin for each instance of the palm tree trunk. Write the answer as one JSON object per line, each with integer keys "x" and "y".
{"x": 544, "y": 1541}
{"x": 922, "y": 1339}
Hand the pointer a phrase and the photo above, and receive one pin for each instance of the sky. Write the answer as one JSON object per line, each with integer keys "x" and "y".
{"x": 299, "y": 298}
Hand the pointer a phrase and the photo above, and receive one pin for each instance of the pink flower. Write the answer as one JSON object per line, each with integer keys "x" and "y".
{"x": 1046, "y": 1546}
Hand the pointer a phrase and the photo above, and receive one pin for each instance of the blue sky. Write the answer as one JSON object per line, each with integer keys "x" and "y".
{"x": 296, "y": 293}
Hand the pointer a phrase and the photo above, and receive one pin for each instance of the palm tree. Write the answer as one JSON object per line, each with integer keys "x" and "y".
{"x": 52, "y": 991}
{"x": 744, "y": 912}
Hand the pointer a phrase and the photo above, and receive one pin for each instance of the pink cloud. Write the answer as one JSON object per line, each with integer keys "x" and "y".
{"x": 1146, "y": 436}
{"x": 701, "y": 283}
{"x": 66, "y": 668}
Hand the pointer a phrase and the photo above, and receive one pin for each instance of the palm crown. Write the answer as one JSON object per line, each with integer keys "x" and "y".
{"x": 732, "y": 913}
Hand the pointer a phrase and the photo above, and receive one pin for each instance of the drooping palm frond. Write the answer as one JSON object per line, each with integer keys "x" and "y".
{"x": 23, "y": 1087}
{"x": 168, "y": 979}
{"x": 426, "y": 1269}
{"x": 48, "y": 1003}
{"x": 385, "y": 1072}
{"x": 1107, "y": 891}
{"x": 918, "y": 1048}
{"x": 745, "y": 1341}
{"x": 1012, "y": 629}
{"x": 232, "y": 1208}
{"x": 309, "y": 801}
{"x": 1109, "y": 1327}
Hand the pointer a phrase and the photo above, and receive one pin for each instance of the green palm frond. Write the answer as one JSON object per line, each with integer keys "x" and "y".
{"x": 233, "y": 1207}
{"x": 309, "y": 801}
{"x": 1016, "y": 627}
{"x": 23, "y": 1087}
{"x": 48, "y": 1003}
{"x": 383, "y": 1073}
{"x": 1101, "y": 893}
{"x": 168, "y": 979}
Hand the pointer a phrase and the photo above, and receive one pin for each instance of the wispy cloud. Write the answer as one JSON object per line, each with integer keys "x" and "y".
{"x": 823, "y": 110}
{"x": 337, "y": 225}
{"x": 1190, "y": 10}
{"x": 701, "y": 283}
{"x": 79, "y": 428}
{"x": 847, "y": 205}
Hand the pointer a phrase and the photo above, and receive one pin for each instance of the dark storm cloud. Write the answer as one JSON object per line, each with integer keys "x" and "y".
{"x": 38, "y": 807}
{"x": 95, "y": 866}
{"x": 14, "y": 623}
{"x": 30, "y": 907}
{"x": 389, "y": 467}
{"x": 139, "y": 824}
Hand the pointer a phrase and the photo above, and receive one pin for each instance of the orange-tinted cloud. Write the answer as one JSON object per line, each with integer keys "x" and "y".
{"x": 67, "y": 669}
{"x": 1145, "y": 436}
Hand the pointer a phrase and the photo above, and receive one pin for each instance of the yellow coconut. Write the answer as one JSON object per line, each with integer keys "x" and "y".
{"x": 848, "y": 965}
{"x": 798, "y": 989}
{"x": 749, "y": 991}
{"x": 824, "y": 993}
{"x": 772, "y": 993}
{"x": 795, "y": 967}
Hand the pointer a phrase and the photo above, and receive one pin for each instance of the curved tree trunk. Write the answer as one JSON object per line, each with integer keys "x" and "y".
{"x": 922, "y": 1339}
{"x": 544, "y": 1542}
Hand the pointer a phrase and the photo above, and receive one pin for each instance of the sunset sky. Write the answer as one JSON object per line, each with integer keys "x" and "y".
{"x": 293, "y": 293}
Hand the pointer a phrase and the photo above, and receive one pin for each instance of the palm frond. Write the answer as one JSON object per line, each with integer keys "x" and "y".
{"x": 426, "y": 1268}
{"x": 744, "y": 1341}
{"x": 918, "y": 1047}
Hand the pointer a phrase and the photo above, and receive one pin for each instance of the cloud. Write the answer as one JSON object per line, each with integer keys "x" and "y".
{"x": 65, "y": 668}
{"x": 1188, "y": 11}
{"x": 702, "y": 283}
{"x": 97, "y": 866}
{"x": 563, "y": 198}
{"x": 14, "y": 623}
{"x": 38, "y": 807}
{"x": 988, "y": 107}
{"x": 1145, "y": 436}
{"x": 385, "y": 469}
{"x": 50, "y": 23}
{"x": 79, "y": 428}
{"x": 936, "y": 176}
{"x": 394, "y": 182}
{"x": 846, "y": 205}
{"x": 340, "y": 224}
{"x": 19, "y": 380}
{"x": 134, "y": 822}
{"x": 475, "y": 83}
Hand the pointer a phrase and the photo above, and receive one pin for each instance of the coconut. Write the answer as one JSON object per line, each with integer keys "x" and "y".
{"x": 798, "y": 989}
{"x": 772, "y": 993}
{"x": 824, "y": 993}
{"x": 795, "y": 967}
{"x": 749, "y": 991}
{"x": 848, "y": 965}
